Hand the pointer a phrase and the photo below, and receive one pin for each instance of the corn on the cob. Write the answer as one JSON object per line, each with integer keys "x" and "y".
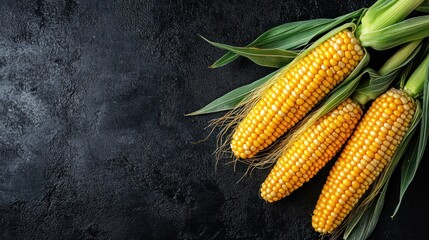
{"x": 311, "y": 151}
{"x": 295, "y": 92}
{"x": 366, "y": 154}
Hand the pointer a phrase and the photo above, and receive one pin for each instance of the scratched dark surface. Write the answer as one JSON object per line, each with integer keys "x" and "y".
{"x": 93, "y": 140}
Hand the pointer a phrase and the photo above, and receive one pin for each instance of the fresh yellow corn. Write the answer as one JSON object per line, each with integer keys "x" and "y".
{"x": 366, "y": 154}
{"x": 311, "y": 151}
{"x": 295, "y": 92}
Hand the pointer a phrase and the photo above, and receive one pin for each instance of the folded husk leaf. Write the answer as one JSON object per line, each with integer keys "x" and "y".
{"x": 292, "y": 35}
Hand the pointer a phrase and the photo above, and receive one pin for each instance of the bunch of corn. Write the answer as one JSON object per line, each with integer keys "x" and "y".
{"x": 370, "y": 149}
{"x": 290, "y": 94}
{"x": 321, "y": 141}
{"x": 329, "y": 69}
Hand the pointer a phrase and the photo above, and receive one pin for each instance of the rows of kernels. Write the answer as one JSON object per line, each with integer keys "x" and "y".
{"x": 311, "y": 151}
{"x": 366, "y": 154}
{"x": 295, "y": 92}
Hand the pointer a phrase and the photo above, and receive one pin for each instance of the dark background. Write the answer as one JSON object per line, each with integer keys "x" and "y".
{"x": 94, "y": 143}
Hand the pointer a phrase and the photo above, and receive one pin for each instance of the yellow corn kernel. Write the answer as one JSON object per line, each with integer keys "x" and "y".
{"x": 308, "y": 154}
{"x": 363, "y": 158}
{"x": 302, "y": 83}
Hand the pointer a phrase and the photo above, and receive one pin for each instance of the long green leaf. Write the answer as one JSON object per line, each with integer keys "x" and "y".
{"x": 292, "y": 35}
{"x": 275, "y": 58}
{"x": 410, "y": 166}
{"x": 232, "y": 98}
{"x": 307, "y": 28}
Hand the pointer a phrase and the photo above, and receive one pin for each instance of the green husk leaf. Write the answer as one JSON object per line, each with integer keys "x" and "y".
{"x": 379, "y": 82}
{"x": 401, "y": 57}
{"x": 424, "y": 7}
{"x": 405, "y": 73}
{"x": 374, "y": 12}
{"x": 275, "y": 58}
{"x": 394, "y": 35}
{"x": 292, "y": 36}
{"x": 233, "y": 98}
{"x": 415, "y": 83}
{"x": 366, "y": 220}
{"x": 410, "y": 165}
{"x": 373, "y": 86}
{"x": 384, "y": 13}
{"x": 411, "y": 68}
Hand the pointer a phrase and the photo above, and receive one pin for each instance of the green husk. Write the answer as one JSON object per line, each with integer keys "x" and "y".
{"x": 406, "y": 71}
{"x": 396, "y": 34}
{"x": 279, "y": 58}
{"x": 384, "y": 13}
{"x": 415, "y": 83}
{"x": 266, "y": 57}
{"x": 397, "y": 60}
{"x": 373, "y": 86}
{"x": 379, "y": 82}
{"x": 291, "y": 36}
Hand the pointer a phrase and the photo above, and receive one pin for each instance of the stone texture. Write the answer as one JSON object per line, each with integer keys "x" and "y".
{"x": 94, "y": 143}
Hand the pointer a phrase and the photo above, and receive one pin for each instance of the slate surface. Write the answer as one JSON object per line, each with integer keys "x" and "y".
{"x": 93, "y": 140}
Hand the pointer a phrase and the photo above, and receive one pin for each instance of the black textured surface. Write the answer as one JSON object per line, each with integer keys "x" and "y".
{"x": 93, "y": 140}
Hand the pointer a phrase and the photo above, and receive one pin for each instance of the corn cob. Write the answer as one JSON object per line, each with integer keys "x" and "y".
{"x": 366, "y": 154}
{"x": 299, "y": 163}
{"x": 295, "y": 92}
